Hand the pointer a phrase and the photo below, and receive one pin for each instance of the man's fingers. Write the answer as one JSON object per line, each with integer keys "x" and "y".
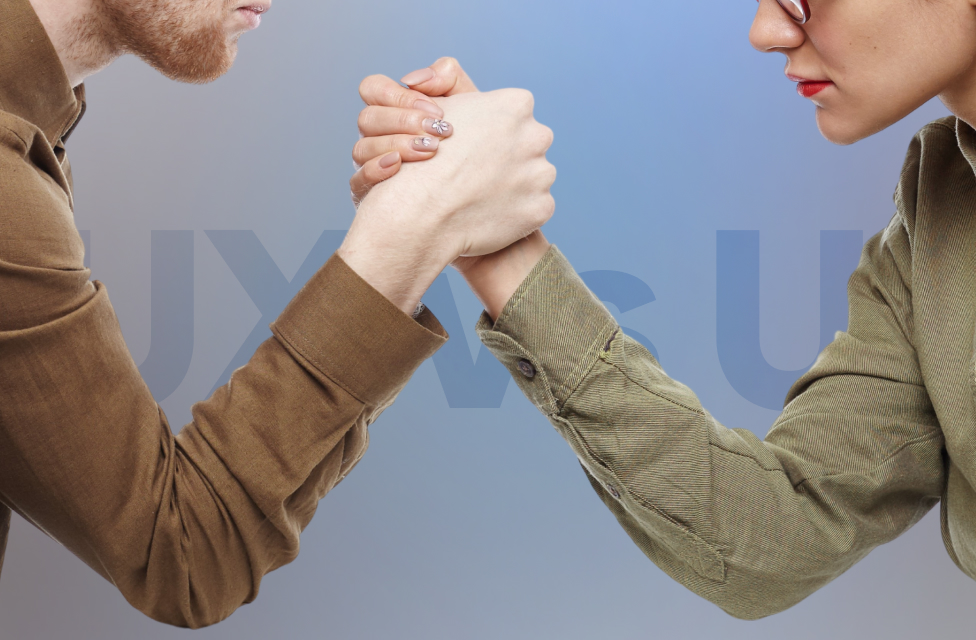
{"x": 411, "y": 148}
{"x": 384, "y": 121}
{"x": 443, "y": 78}
{"x": 372, "y": 173}
{"x": 385, "y": 92}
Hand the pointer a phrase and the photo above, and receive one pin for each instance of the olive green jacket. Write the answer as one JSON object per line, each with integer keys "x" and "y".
{"x": 881, "y": 428}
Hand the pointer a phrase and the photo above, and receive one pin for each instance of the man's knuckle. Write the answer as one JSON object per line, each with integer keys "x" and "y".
{"x": 549, "y": 176}
{"x": 548, "y": 209}
{"x": 549, "y": 136}
{"x": 525, "y": 100}
{"x": 541, "y": 139}
{"x": 511, "y": 99}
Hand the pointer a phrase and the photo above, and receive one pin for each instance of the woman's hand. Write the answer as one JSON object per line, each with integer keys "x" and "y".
{"x": 390, "y": 126}
{"x": 484, "y": 189}
{"x": 402, "y": 125}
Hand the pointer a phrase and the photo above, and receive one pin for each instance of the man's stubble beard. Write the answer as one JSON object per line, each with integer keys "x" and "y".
{"x": 176, "y": 37}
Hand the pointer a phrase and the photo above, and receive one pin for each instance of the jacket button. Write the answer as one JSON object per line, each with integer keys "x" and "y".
{"x": 526, "y": 368}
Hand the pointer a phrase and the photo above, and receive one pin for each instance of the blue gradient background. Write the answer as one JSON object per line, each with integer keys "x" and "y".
{"x": 471, "y": 523}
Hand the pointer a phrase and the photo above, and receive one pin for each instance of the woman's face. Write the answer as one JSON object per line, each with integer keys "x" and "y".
{"x": 869, "y": 63}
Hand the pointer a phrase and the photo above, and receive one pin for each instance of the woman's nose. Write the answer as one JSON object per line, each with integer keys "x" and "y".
{"x": 773, "y": 29}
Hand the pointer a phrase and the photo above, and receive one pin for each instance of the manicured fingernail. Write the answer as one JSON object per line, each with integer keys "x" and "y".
{"x": 425, "y": 144}
{"x": 440, "y": 128}
{"x": 389, "y": 160}
{"x": 429, "y": 107}
{"x": 419, "y": 76}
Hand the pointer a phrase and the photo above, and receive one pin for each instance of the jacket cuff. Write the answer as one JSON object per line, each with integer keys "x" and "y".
{"x": 349, "y": 332}
{"x": 550, "y": 333}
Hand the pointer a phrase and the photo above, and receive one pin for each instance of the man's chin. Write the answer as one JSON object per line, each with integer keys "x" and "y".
{"x": 210, "y": 75}
{"x": 199, "y": 63}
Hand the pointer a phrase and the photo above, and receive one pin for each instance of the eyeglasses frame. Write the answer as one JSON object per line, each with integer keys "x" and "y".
{"x": 802, "y": 5}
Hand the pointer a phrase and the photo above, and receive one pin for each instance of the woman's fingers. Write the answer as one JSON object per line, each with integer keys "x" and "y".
{"x": 401, "y": 124}
{"x": 443, "y": 78}
{"x": 410, "y": 147}
{"x": 385, "y": 92}
{"x": 372, "y": 173}
{"x": 384, "y": 121}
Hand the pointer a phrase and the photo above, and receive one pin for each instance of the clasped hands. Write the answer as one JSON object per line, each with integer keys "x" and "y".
{"x": 473, "y": 193}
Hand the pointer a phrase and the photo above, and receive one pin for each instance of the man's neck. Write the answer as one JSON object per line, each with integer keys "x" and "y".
{"x": 76, "y": 28}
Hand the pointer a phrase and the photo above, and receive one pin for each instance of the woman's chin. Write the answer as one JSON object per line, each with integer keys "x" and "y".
{"x": 840, "y": 130}
{"x": 847, "y": 128}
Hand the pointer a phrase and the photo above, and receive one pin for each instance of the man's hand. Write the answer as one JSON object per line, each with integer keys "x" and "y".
{"x": 493, "y": 277}
{"x": 485, "y": 189}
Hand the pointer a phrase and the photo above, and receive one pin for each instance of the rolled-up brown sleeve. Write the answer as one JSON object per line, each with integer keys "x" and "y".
{"x": 184, "y": 526}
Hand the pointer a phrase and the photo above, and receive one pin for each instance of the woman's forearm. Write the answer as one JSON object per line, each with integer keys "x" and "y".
{"x": 495, "y": 278}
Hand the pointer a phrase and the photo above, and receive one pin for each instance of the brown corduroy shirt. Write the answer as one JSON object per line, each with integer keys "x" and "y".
{"x": 880, "y": 429}
{"x": 184, "y": 526}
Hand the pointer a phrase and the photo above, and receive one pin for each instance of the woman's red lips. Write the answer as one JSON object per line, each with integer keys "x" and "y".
{"x": 810, "y": 89}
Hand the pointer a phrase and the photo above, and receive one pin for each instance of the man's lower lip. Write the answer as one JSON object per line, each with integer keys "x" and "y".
{"x": 810, "y": 89}
{"x": 253, "y": 18}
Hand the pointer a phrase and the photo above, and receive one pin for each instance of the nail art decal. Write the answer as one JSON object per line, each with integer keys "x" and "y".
{"x": 441, "y": 127}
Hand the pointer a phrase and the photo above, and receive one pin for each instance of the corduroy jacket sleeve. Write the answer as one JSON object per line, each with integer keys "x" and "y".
{"x": 754, "y": 526}
{"x": 184, "y": 526}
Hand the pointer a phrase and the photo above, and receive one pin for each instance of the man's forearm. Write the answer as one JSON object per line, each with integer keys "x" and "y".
{"x": 400, "y": 253}
{"x": 386, "y": 248}
{"x": 185, "y": 527}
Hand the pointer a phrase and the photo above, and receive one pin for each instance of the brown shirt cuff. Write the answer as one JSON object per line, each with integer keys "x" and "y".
{"x": 352, "y": 334}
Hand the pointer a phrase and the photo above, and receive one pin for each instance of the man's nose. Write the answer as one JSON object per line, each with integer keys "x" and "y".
{"x": 773, "y": 29}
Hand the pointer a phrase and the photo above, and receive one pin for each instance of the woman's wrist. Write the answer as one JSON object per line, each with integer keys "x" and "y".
{"x": 496, "y": 277}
